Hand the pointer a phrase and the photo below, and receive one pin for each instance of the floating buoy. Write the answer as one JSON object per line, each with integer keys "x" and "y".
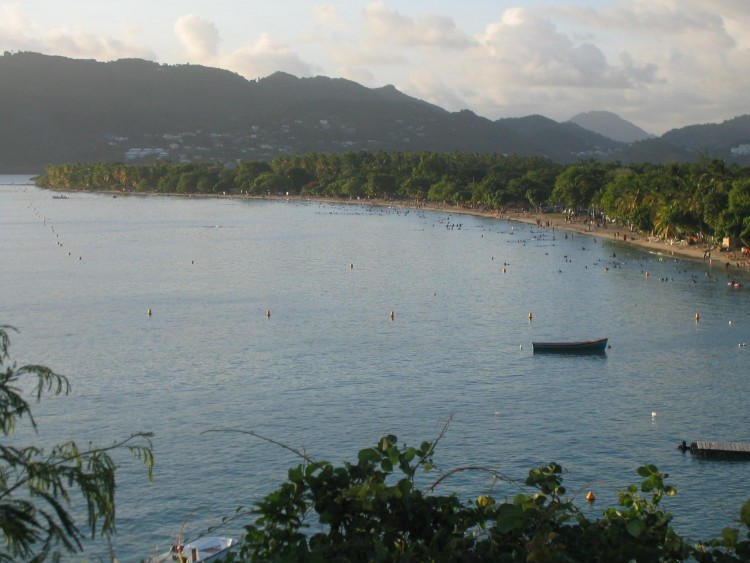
{"x": 590, "y": 496}
{"x": 647, "y": 274}
{"x": 530, "y": 316}
{"x": 697, "y": 317}
{"x": 351, "y": 266}
{"x": 148, "y": 311}
{"x": 268, "y": 313}
{"x": 653, "y": 414}
{"x": 503, "y": 270}
{"x": 392, "y": 315}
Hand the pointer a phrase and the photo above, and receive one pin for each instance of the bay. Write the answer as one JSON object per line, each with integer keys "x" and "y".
{"x": 329, "y": 371}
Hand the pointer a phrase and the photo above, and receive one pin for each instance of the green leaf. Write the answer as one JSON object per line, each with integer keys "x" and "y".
{"x": 730, "y": 536}
{"x": 509, "y": 518}
{"x": 405, "y": 486}
{"x": 295, "y": 474}
{"x": 635, "y": 527}
{"x": 648, "y": 485}
{"x": 745, "y": 513}
{"x": 386, "y": 465}
{"x": 368, "y": 455}
{"x": 314, "y": 467}
{"x": 386, "y": 442}
{"x": 409, "y": 454}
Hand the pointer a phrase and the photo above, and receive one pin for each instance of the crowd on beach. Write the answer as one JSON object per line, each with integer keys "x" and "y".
{"x": 734, "y": 259}
{"x": 728, "y": 257}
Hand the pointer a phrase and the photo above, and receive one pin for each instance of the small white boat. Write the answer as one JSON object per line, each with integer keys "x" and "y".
{"x": 201, "y": 550}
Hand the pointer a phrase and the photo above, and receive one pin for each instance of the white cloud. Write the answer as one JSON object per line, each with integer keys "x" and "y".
{"x": 533, "y": 52}
{"x": 386, "y": 46}
{"x": 382, "y": 23}
{"x": 12, "y": 22}
{"x": 198, "y": 37}
{"x": 266, "y": 56}
{"x": 673, "y": 53}
{"x": 357, "y": 74}
{"x": 200, "y": 40}
{"x": 18, "y": 33}
{"x": 655, "y": 62}
{"x": 659, "y": 63}
{"x": 430, "y": 87}
{"x": 325, "y": 13}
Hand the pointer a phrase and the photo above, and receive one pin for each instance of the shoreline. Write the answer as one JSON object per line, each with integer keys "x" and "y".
{"x": 729, "y": 261}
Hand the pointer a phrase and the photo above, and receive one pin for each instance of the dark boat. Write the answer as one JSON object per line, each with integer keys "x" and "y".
{"x": 580, "y": 347}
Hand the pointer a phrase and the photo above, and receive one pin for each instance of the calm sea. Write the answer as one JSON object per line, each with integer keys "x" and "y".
{"x": 329, "y": 371}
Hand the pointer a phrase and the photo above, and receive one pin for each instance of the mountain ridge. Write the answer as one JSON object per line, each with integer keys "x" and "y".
{"x": 610, "y": 125}
{"x": 55, "y": 109}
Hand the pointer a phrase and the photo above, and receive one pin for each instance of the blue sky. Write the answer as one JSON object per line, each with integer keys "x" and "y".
{"x": 658, "y": 63}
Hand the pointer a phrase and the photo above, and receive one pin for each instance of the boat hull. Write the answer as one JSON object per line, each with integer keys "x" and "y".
{"x": 203, "y": 550}
{"x": 597, "y": 346}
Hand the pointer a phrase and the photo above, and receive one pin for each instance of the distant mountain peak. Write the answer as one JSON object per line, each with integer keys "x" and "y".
{"x": 610, "y": 125}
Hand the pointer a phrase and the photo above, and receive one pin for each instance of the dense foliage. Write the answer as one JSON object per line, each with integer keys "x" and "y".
{"x": 698, "y": 202}
{"x": 372, "y": 510}
{"x": 36, "y": 486}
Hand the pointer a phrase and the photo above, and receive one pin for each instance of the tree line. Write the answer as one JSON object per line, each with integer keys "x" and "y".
{"x": 703, "y": 201}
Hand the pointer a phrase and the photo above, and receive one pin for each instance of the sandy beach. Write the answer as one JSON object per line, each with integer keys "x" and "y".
{"x": 732, "y": 261}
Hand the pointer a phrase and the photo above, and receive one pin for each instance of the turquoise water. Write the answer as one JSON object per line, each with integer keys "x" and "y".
{"x": 329, "y": 371}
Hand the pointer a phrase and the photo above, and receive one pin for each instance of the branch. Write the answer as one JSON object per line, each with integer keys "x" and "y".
{"x": 22, "y": 458}
{"x": 442, "y": 433}
{"x": 303, "y": 455}
{"x": 496, "y": 474}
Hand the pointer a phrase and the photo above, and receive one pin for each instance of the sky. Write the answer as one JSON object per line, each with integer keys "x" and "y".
{"x": 660, "y": 64}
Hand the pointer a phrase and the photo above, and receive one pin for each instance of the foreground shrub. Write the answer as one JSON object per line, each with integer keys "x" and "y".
{"x": 372, "y": 510}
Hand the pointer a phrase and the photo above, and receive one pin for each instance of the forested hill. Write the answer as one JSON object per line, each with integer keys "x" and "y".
{"x": 55, "y": 110}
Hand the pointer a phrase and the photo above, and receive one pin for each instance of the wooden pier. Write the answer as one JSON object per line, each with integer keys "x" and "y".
{"x": 717, "y": 450}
